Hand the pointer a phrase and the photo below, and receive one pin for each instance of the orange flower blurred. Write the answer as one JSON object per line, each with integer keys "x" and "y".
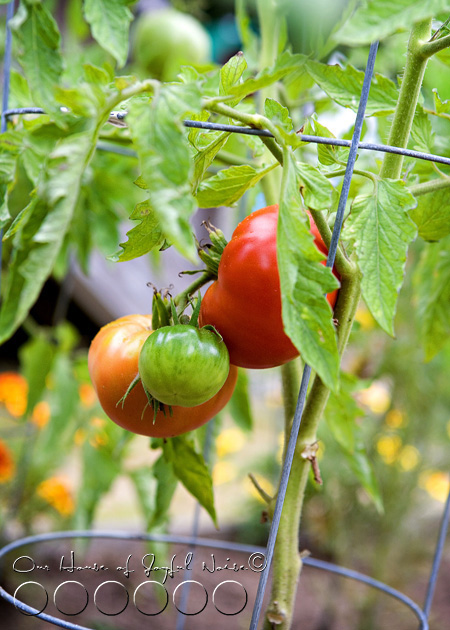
{"x": 41, "y": 414}
{"x": 56, "y": 492}
{"x": 13, "y": 393}
{"x": 7, "y": 466}
{"x": 87, "y": 395}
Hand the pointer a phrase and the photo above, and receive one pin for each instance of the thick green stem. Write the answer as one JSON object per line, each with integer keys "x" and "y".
{"x": 182, "y": 298}
{"x": 416, "y": 62}
{"x": 431, "y": 186}
{"x": 287, "y": 561}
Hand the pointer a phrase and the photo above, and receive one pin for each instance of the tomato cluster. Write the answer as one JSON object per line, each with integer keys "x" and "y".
{"x": 244, "y": 303}
{"x": 185, "y": 367}
{"x": 113, "y": 364}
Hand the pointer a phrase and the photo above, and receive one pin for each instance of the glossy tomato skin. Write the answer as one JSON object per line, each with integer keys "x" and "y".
{"x": 113, "y": 364}
{"x": 184, "y": 365}
{"x": 244, "y": 303}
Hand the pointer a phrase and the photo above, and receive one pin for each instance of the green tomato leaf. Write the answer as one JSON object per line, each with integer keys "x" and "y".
{"x": 227, "y": 186}
{"x": 143, "y": 237}
{"x": 205, "y": 157}
{"x": 240, "y": 402}
{"x": 307, "y": 315}
{"x": 155, "y": 489}
{"x": 432, "y": 289}
{"x": 279, "y": 115}
{"x": 381, "y": 229}
{"x": 422, "y": 135}
{"x": 10, "y": 147}
{"x": 328, "y": 155}
{"x": 190, "y": 468}
{"x": 432, "y": 215}
{"x": 166, "y": 162}
{"x": 344, "y": 85}
{"x": 110, "y": 22}
{"x": 376, "y": 19}
{"x": 284, "y": 65}
{"x": 441, "y": 107}
{"x": 231, "y": 73}
{"x": 316, "y": 189}
{"x": 39, "y": 52}
{"x": 43, "y": 225}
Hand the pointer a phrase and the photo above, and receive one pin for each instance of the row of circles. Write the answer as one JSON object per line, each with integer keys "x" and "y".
{"x": 141, "y": 586}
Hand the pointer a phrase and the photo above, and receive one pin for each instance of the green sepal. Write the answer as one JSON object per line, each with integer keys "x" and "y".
{"x": 211, "y": 254}
{"x": 196, "y": 312}
{"x": 131, "y": 386}
{"x": 160, "y": 312}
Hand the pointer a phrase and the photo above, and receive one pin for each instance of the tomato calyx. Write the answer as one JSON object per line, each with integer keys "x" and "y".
{"x": 211, "y": 253}
{"x": 152, "y": 402}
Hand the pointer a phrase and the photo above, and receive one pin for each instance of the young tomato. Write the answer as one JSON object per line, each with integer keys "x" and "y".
{"x": 244, "y": 303}
{"x": 113, "y": 364}
{"x": 184, "y": 365}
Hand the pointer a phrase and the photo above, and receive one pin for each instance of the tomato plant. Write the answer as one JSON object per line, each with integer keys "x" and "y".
{"x": 183, "y": 365}
{"x": 244, "y": 303}
{"x": 113, "y": 364}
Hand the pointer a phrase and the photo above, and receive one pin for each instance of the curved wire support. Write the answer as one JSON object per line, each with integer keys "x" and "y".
{"x": 191, "y": 541}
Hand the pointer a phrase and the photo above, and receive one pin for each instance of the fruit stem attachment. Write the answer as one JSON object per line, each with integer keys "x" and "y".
{"x": 182, "y": 299}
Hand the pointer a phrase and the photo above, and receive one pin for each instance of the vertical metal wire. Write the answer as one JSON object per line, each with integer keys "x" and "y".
{"x": 437, "y": 557}
{"x": 307, "y": 371}
{"x": 181, "y": 619}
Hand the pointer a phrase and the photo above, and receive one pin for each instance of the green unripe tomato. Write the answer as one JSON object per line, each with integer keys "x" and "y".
{"x": 167, "y": 39}
{"x": 182, "y": 365}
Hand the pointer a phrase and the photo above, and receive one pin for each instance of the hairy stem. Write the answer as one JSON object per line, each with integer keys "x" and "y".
{"x": 416, "y": 62}
{"x": 431, "y": 186}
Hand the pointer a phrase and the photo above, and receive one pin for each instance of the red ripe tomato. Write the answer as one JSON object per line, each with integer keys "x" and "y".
{"x": 113, "y": 364}
{"x": 244, "y": 303}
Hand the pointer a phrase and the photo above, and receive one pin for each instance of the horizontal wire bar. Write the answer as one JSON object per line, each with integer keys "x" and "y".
{"x": 197, "y": 124}
{"x": 198, "y": 542}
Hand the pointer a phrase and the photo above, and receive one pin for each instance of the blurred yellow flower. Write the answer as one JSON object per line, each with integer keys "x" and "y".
{"x": 224, "y": 472}
{"x": 409, "y": 457}
{"x": 87, "y": 395}
{"x": 13, "y": 393}
{"x": 7, "y": 465}
{"x": 57, "y": 493}
{"x": 448, "y": 428}
{"x": 100, "y": 439}
{"x": 79, "y": 437}
{"x": 436, "y": 483}
{"x": 98, "y": 422}
{"x": 264, "y": 485}
{"x": 364, "y": 318}
{"x": 41, "y": 414}
{"x": 229, "y": 441}
{"x": 388, "y": 446}
{"x": 395, "y": 419}
{"x": 377, "y": 397}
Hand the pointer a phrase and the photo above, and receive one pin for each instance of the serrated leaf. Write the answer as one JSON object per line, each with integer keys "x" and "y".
{"x": 279, "y": 115}
{"x": 166, "y": 162}
{"x": 190, "y": 468}
{"x": 316, "y": 189}
{"x": 328, "y": 155}
{"x": 376, "y": 19}
{"x": 344, "y": 85}
{"x": 10, "y": 148}
{"x": 110, "y": 22}
{"x": 307, "y": 316}
{"x": 240, "y": 402}
{"x": 39, "y": 54}
{"x": 231, "y": 72}
{"x": 42, "y": 230}
{"x": 432, "y": 289}
{"x": 381, "y": 229}
{"x": 205, "y": 157}
{"x": 228, "y": 185}
{"x": 432, "y": 215}
{"x": 155, "y": 489}
{"x": 440, "y": 107}
{"x": 143, "y": 237}
{"x": 284, "y": 65}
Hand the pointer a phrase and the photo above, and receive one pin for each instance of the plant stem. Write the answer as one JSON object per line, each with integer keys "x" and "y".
{"x": 431, "y": 186}
{"x": 435, "y": 46}
{"x": 286, "y": 561}
{"x": 182, "y": 298}
{"x": 416, "y": 62}
{"x": 342, "y": 263}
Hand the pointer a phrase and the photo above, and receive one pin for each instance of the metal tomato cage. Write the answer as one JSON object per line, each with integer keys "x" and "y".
{"x": 421, "y": 612}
